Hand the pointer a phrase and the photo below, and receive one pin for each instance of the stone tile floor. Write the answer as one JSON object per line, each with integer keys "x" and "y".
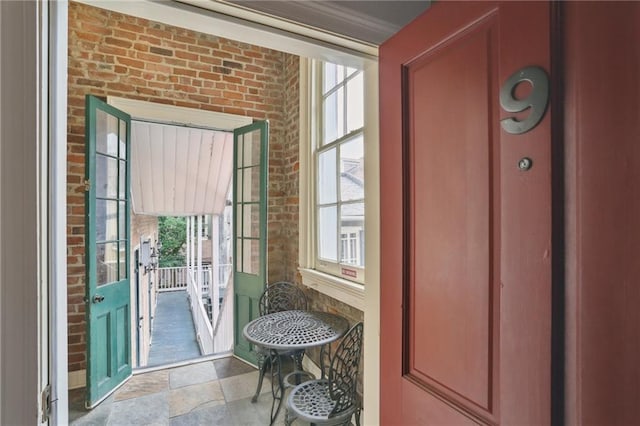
{"x": 214, "y": 392}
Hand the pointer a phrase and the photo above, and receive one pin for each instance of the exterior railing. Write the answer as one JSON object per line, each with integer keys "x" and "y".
{"x": 172, "y": 279}
{"x": 204, "y": 330}
{"x": 175, "y": 278}
{"x": 223, "y": 331}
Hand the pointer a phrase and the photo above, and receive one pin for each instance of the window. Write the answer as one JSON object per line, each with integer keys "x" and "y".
{"x": 338, "y": 155}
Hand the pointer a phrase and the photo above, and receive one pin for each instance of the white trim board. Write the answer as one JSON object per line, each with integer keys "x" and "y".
{"x": 152, "y": 111}
{"x": 77, "y": 379}
{"x": 343, "y": 290}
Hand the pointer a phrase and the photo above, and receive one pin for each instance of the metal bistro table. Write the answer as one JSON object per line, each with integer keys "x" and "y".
{"x": 292, "y": 330}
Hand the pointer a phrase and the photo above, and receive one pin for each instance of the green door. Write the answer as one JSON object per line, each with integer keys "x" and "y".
{"x": 250, "y": 227}
{"x": 107, "y": 245}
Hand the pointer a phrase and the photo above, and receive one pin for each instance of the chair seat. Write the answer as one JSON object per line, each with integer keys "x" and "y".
{"x": 311, "y": 402}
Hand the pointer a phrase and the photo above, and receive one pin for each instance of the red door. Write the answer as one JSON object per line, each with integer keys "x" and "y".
{"x": 466, "y": 217}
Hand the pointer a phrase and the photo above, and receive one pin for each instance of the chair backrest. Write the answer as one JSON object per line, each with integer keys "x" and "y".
{"x": 282, "y": 296}
{"x": 343, "y": 373}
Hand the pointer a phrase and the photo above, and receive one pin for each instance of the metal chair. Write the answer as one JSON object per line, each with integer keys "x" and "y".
{"x": 278, "y": 297}
{"x": 334, "y": 400}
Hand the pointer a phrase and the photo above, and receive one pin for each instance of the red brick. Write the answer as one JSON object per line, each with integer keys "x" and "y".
{"x": 157, "y": 32}
{"x": 158, "y": 67}
{"x": 149, "y": 39}
{"x": 208, "y": 75}
{"x": 130, "y": 62}
{"x": 149, "y": 57}
{"x": 118, "y": 42}
{"x": 186, "y": 55}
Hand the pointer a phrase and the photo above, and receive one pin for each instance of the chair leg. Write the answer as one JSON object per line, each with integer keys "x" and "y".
{"x": 297, "y": 357}
{"x": 262, "y": 365}
{"x": 358, "y": 417}
{"x": 288, "y": 417}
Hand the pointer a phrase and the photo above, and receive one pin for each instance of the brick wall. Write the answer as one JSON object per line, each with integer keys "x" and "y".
{"x": 119, "y": 55}
{"x": 290, "y": 170}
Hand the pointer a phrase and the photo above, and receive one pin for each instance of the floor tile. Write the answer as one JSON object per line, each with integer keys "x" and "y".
{"x": 192, "y": 374}
{"x": 144, "y": 384}
{"x": 230, "y": 366}
{"x": 214, "y": 416}
{"x": 190, "y": 395}
{"x": 190, "y": 398}
{"x": 80, "y": 416}
{"x": 244, "y": 412}
{"x": 243, "y": 386}
{"x": 146, "y": 410}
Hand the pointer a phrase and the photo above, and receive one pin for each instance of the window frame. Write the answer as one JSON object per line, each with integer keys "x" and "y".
{"x": 320, "y": 146}
{"x": 333, "y": 285}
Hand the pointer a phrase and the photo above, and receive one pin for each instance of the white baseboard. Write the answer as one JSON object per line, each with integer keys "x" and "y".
{"x": 77, "y": 379}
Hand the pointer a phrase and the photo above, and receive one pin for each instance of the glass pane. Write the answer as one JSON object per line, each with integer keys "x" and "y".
{"x": 333, "y": 118}
{"x": 251, "y": 257}
{"x": 123, "y": 139}
{"x": 240, "y": 150}
{"x": 239, "y": 216}
{"x": 352, "y": 169}
{"x": 239, "y": 187}
{"x": 106, "y": 220}
{"x": 239, "y": 254}
{"x": 123, "y": 180}
{"x": 355, "y": 103}
{"x": 106, "y": 177}
{"x": 251, "y": 218}
{"x": 252, "y": 149}
{"x": 327, "y": 233}
{"x": 352, "y": 234}
{"x": 106, "y": 133}
{"x": 106, "y": 263}
{"x": 122, "y": 229}
{"x": 327, "y": 177}
{"x": 333, "y": 74}
{"x": 123, "y": 260}
{"x": 251, "y": 184}
{"x": 351, "y": 71}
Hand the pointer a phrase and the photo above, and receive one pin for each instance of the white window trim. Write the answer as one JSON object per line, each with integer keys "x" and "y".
{"x": 343, "y": 290}
{"x": 340, "y": 289}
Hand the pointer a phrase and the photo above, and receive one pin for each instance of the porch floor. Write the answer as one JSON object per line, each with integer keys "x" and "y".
{"x": 173, "y": 337}
{"x": 214, "y": 392}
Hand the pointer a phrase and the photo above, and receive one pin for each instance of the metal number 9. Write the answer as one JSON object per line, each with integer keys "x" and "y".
{"x": 536, "y": 101}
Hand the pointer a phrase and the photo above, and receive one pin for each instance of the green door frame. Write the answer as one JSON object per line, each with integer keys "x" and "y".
{"x": 249, "y": 228}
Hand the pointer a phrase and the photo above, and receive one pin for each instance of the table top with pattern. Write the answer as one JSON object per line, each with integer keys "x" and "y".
{"x": 290, "y": 330}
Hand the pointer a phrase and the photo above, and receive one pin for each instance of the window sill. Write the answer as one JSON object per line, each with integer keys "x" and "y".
{"x": 345, "y": 291}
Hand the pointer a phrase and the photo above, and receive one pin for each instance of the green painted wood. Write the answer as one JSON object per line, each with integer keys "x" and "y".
{"x": 108, "y": 171}
{"x": 250, "y": 159}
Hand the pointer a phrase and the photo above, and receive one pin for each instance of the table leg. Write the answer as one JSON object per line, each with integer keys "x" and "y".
{"x": 277, "y": 385}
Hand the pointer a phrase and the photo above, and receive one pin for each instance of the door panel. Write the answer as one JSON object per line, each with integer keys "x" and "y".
{"x": 467, "y": 234}
{"x": 451, "y": 198}
{"x": 250, "y": 227}
{"x": 107, "y": 236}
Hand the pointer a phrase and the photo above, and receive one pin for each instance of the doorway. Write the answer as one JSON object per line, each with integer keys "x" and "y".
{"x": 132, "y": 114}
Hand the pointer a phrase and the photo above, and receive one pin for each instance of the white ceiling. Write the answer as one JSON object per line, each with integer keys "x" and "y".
{"x": 179, "y": 171}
